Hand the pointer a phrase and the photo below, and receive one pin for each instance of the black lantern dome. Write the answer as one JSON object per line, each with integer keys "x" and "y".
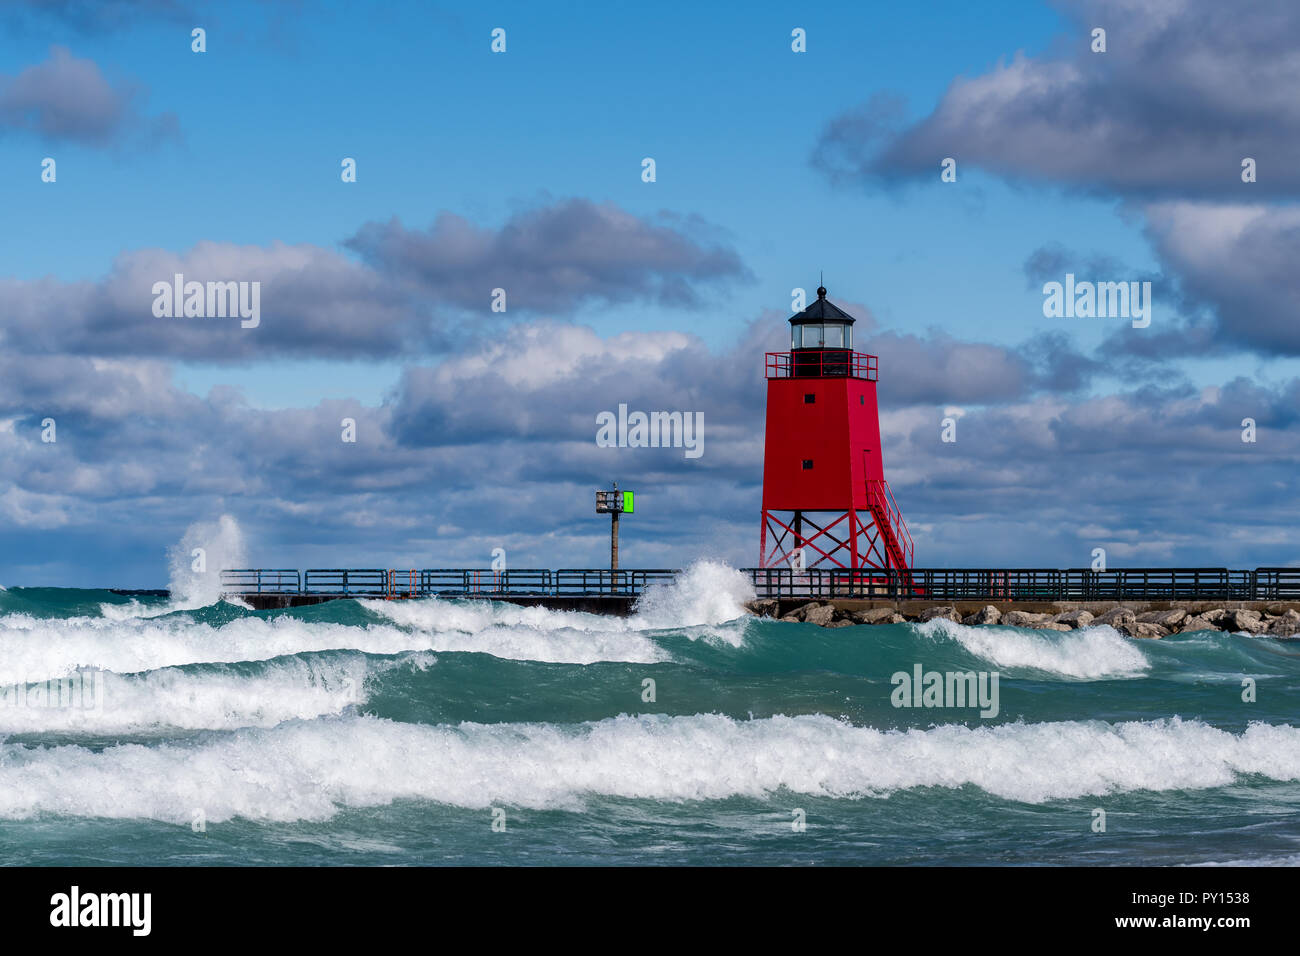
{"x": 821, "y": 338}
{"x": 823, "y": 325}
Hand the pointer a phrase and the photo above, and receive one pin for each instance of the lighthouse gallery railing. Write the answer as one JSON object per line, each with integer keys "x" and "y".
{"x": 822, "y": 363}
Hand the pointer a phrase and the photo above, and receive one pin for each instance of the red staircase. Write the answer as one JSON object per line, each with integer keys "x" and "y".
{"x": 893, "y": 529}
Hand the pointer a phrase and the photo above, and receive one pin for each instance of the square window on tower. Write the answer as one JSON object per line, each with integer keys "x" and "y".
{"x": 807, "y": 464}
{"x": 810, "y": 398}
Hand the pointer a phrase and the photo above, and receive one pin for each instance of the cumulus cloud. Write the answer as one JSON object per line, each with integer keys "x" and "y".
{"x": 316, "y": 302}
{"x": 1236, "y": 263}
{"x": 550, "y": 379}
{"x": 553, "y": 258}
{"x": 1163, "y": 119}
{"x": 1228, "y": 285}
{"x": 1043, "y": 481}
{"x": 1185, "y": 90}
{"x": 495, "y": 447}
{"x": 68, "y": 99}
{"x": 313, "y": 302}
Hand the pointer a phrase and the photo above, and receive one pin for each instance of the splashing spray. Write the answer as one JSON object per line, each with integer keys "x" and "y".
{"x": 196, "y": 561}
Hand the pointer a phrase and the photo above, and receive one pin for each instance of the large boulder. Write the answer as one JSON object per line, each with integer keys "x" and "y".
{"x": 985, "y": 615}
{"x": 877, "y": 615}
{"x": 1281, "y": 609}
{"x": 1075, "y": 618}
{"x": 1216, "y": 616}
{"x": 1144, "y": 629}
{"x": 1244, "y": 620}
{"x": 798, "y": 613}
{"x": 1024, "y": 618}
{"x": 1283, "y": 627}
{"x": 822, "y": 615}
{"x": 841, "y": 622}
{"x": 763, "y": 607}
{"x": 1116, "y": 617}
{"x": 1051, "y": 626}
{"x": 1197, "y": 623}
{"x": 1170, "y": 618}
{"x": 947, "y": 613}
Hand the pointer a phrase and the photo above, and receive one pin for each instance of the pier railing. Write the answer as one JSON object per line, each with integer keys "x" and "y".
{"x": 1272, "y": 584}
{"x": 927, "y": 584}
{"x": 443, "y": 582}
{"x": 261, "y": 581}
{"x": 580, "y": 582}
{"x": 358, "y": 581}
{"x": 1030, "y": 584}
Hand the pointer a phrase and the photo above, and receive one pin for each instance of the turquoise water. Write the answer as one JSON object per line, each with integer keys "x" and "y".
{"x": 398, "y": 732}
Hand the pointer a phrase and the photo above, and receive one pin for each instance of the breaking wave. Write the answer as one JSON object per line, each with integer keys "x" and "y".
{"x": 1090, "y": 653}
{"x": 309, "y": 770}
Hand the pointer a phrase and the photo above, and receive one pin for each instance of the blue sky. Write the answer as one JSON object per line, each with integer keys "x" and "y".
{"x": 240, "y": 146}
{"x": 437, "y": 122}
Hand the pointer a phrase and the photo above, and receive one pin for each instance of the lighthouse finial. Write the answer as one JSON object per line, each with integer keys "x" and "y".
{"x": 821, "y": 286}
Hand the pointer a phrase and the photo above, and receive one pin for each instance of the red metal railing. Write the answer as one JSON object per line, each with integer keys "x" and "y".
{"x": 477, "y": 581}
{"x": 881, "y": 502}
{"x": 393, "y": 589}
{"x": 822, "y": 363}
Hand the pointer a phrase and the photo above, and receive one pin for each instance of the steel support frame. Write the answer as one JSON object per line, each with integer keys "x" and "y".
{"x": 858, "y": 544}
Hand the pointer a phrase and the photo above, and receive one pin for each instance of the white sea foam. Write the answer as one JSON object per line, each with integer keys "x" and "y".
{"x": 1090, "y": 653}
{"x": 222, "y": 542}
{"x": 705, "y": 593}
{"x": 705, "y": 600}
{"x": 33, "y": 648}
{"x": 220, "y": 699}
{"x": 37, "y": 649}
{"x": 520, "y": 633}
{"x": 133, "y": 609}
{"x": 311, "y": 769}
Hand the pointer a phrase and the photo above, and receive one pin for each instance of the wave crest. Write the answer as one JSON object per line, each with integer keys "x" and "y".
{"x": 1091, "y": 653}
{"x": 309, "y": 770}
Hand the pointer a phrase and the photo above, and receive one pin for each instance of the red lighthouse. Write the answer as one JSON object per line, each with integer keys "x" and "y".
{"x": 824, "y": 491}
